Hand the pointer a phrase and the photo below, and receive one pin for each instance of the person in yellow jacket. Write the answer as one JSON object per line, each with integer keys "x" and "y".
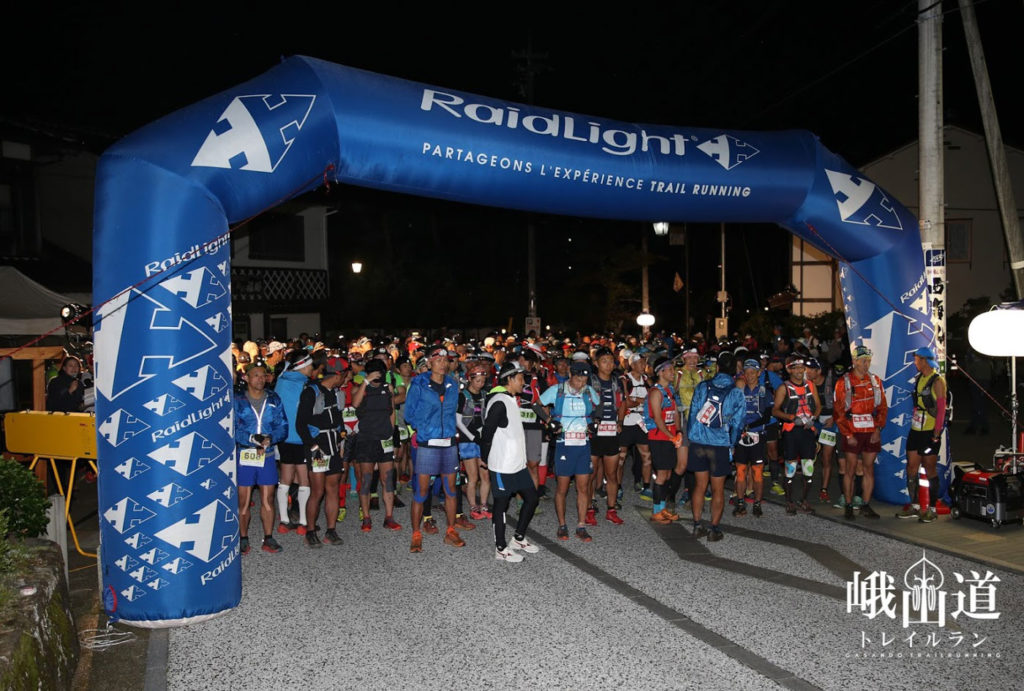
{"x": 926, "y": 424}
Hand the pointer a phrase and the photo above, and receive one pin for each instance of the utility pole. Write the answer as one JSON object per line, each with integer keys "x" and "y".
{"x": 722, "y": 323}
{"x": 645, "y": 285}
{"x": 931, "y": 192}
{"x": 996, "y": 151}
{"x": 529, "y": 64}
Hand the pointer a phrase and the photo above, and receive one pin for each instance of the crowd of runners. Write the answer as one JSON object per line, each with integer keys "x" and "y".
{"x": 478, "y": 428}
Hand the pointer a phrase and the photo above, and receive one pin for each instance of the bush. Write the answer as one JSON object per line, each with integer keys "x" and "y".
{"x": 23, "y": 501}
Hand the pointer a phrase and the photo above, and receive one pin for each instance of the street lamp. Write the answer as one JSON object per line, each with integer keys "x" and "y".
{"x": 661, "y": 228}
{"x": 1000, "y": 333}
{"x": 645, "y": 320}
{"x": 357, "y": 267}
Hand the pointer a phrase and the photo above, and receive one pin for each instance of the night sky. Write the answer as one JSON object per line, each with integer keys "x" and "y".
{"x": 845, "y": 70}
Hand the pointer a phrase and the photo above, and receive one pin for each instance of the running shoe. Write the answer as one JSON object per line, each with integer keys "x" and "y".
{"x": 362, "y": 514}
{"x": 618, "y": 494}
{"x": 477, "y": 514}
{"x": 331, "y": 537}
{"x": 757, "y": 510}
{"x": 928, "y": 516}
{"x": 858, "y": 502}
{"x": 451, "y": 537}
{"x": 417, "y": 542}
{"x": 507, "y": 555}
{"x": 909, "y": 511}
{"x": 271, "y": 545}
{"x": 716, "y": 534}
{"x": 841, "y": 504}
{"x": 283, "y": 528}
{"x": 342, "y": 512}
{"x": 399, "y": 504}
{"x": 312, "y": 540}
{"x": 823, "y": 496}
{"x": 403, "y": 478}
{"x": 602, "y": 492}
{"x": 613, "y": 517}
{"x": 700, "y": 530}
{"x": 670, "y": 514}
{"x": 464, "y": 523}
{"x": 367, "y": 525}
{"x": 707, "y": 492}
{"x": 581, "y": 533}
{"x": 848, "y": 512}
{"x": 300, "y": 531}
{"x": 660, "y": 518}
{"x": 591, "y": 517}
{"x": 740, "y": 510}
{"x": 243, "y": 545}
{"x": 867, "y": 512}
{"x": 777, "y": 489}
{"x": 563, "y": 533}
{"x": 646, "y": 494}
{"x": 684, "y": 498}
{"x": 391, "y": 524}
{"x": 429, "y": 526}
{"x": 806, "y": 507}
{"x": 732, "y": 499}
{"x": 790, "y": 509}
{"x": 486, "y": 512}
{"x": 524, "y": 545}
{"x": 638, "y": 487}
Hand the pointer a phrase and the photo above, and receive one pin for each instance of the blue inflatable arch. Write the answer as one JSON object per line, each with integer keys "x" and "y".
{"x": 166, "y": 194}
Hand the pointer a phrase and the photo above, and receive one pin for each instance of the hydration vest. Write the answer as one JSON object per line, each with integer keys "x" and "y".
{"x": 876, "y": 390}
{"x": 668, "y": 405}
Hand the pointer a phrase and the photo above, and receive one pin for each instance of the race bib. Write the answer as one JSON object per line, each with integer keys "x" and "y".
{"x": 827, "y": 438}
{"x": 707, "y": 413}
{"x": 527, "y": 415}
{"x": 607, "y": 428}
{"x": 320, "y": 465}
{"x": 348, "y": 415}
{"x": 753, "y": 438}
{"x": 917, "y": 422}
{"x": 575, "y": 438}
{"x": 388, "y": 445}
{"x": 670, "y": 417}
{"x": 439, "y": 442}
{"x": 403, "y": 433}
{"x": 251, "y": 458}
{"x": 863, "y": 422}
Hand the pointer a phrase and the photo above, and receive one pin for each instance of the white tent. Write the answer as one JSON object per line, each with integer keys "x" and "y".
{"x": 26, "y": 307}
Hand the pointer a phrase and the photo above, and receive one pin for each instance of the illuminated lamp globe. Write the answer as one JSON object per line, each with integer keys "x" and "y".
{"x": 998, "y": 333}
{"x": 357, "y": 267}
{"x": 661, "y": 228}
{"x": 645, "y": 319}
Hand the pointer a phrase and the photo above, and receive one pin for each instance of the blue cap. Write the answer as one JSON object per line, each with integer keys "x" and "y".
{"x": 751, "y": 364}
{"x": 929, "y": 355}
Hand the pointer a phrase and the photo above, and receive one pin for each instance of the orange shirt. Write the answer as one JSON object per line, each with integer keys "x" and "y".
{"x": 863, "y": 416}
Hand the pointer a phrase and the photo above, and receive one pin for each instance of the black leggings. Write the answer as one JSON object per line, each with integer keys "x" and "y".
{"x": 501, "y": 502}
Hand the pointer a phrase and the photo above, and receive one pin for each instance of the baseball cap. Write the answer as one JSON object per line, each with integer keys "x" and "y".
{"x": 812, "y": 363}
{"x": 794, "y": 361}
{"x": 274, "y": 346}
{"x": 579, "y": 368}
{"x": 929, "y": 355}
{"x": 375, "y": 365}
{"x": 751, "y": 363}
{"x": 580, "y": 356}
{"x": 861, "y": 351}
{"x": 633, "y": 357}
{"x": 335, "y": 365}
{"x": 509, "y": 369}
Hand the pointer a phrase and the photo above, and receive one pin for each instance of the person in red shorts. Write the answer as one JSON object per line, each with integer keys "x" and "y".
{"x": 860, "y": 412}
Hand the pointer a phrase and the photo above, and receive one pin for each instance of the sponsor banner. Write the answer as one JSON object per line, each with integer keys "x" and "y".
{"x": 166, "y": 195}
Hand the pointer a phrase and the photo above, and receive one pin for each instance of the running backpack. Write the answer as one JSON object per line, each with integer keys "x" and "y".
{"x": 710, "y": 413}
{"x": 926, "y": 401}
{"x": 560, "y": 401}
{"x": 649, "y": 422}
{"x": 876, "y": 391}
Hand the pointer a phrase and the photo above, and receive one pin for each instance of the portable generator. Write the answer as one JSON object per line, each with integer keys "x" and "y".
{"x": 996, "y": 496}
